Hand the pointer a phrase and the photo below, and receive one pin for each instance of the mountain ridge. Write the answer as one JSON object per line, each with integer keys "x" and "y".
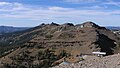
{"x": 58, "y": 41}
{"x": 8, "y": 29}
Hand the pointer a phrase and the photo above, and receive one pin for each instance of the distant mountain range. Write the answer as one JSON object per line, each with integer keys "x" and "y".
{"x": 8, "y": 29}
{"x": 113, "y": 27}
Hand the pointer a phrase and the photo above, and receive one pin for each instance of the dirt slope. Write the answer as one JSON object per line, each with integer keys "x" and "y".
{"x": 49, "y": 43}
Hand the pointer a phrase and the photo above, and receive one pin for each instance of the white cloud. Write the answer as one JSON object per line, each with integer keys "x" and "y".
{"x": 21, "y": 11}
{"x": 7, "y": 6}
{"x": 96, "y": 7}
{"x": 59, "y": 8}
{"x": 4, "y": 3}
{"x": 111, "y": 2}
{"x": 54, "y": 12}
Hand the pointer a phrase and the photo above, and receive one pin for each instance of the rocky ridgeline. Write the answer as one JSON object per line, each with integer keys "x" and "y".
{"x": 48, "y": 44}
{"x": 112, "y": 61}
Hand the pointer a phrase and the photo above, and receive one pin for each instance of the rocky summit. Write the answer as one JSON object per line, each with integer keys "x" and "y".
{"x": 112, "y": 61}
{"x": 47, "y": 45}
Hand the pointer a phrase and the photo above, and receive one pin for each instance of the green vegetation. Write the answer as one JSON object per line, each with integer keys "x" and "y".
{"x": 43, "y": 59}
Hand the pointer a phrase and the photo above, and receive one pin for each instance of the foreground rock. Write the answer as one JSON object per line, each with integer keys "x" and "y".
{"x": 112, "y": 61}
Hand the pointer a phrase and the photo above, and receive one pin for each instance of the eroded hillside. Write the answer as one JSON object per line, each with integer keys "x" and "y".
{"x": 49, "y": 44}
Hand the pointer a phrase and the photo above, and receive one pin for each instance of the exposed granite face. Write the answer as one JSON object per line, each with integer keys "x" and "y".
{"x": 112, "y": 61}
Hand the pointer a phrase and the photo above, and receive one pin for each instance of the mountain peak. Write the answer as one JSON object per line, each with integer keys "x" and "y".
{"x": 54, "y": 24}
{"x": 89, "y": 24}
{"x": 68, "y": 24}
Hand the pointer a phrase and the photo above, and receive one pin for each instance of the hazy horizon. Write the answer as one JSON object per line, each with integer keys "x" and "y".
{"x": 60, "y": 24}
{"x": 30, "y": 13}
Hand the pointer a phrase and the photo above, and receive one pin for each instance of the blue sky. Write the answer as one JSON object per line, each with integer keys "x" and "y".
{"x": 34, "y": 12}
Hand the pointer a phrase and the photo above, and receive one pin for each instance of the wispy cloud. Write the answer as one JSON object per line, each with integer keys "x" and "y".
{"x": 7, "y": 6}
{"x": 111, "y": 2}
{"x": 48, "y": 13}
{"x": 55, "y": 8}
{"x": 95, "y": 7}
{"x": 26, "y": 12}
{"x": 4, "y": 3}
{"x": 19, "y": 10}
